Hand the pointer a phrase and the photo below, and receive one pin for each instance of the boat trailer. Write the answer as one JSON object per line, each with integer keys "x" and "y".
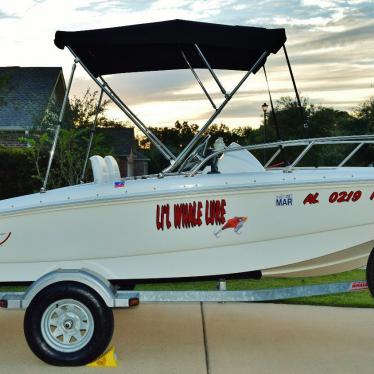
{"x": 49, "y": 315}
{"x": 124, "y": 299}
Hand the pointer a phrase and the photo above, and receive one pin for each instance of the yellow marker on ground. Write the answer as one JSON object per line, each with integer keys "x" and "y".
{"x": 106, "y": 360}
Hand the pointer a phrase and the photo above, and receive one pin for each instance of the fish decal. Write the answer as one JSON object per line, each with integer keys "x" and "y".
{"x": 235, "y": 223}
{"x": 4, "y": 236}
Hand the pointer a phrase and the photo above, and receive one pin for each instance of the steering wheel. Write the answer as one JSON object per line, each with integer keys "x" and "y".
{"x": 199, "y": 153}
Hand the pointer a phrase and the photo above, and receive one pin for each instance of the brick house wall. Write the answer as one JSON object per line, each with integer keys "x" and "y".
{"x": 12, "y": 139}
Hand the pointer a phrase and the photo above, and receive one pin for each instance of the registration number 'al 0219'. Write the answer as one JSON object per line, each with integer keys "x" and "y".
{"x": 336, "y": 197}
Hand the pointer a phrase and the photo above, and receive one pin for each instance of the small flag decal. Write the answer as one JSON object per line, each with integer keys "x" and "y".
{"x": 119, "y": 184}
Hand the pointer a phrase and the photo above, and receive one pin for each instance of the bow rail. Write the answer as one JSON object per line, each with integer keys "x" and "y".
{"x": 360, "y": 140}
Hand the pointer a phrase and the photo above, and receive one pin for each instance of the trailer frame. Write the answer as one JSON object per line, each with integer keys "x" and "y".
{"x": 115, "y": 298}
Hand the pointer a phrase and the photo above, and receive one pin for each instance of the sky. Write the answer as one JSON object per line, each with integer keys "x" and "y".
{"x": 330, "y": 44}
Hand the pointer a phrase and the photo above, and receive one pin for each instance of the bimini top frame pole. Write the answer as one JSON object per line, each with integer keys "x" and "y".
{"x": 92, "y": 133}
{"x": 139, "y": 124}
{"x": 224, "y": 93}
{"x": 146, "y": 131}
{"x": 57, "y": 131}
{"x": 199, "y": 81}
{"x": 181, "y": 157}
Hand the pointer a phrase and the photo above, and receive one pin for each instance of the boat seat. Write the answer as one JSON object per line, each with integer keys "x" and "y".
{"x": 99, "y": 170}
{"x": 113, "y": 168}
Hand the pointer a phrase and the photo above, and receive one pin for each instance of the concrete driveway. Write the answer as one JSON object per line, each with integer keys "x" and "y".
{"x": 235, "y": 338}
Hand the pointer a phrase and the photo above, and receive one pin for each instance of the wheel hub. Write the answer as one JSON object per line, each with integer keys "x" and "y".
{"x": 67, "y": 325}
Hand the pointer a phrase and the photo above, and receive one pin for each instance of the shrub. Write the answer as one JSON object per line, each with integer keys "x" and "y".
{"x": 17, "y": 172}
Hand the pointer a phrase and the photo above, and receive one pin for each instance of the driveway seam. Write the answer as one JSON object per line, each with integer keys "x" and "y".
{"x": 206, "y": 349}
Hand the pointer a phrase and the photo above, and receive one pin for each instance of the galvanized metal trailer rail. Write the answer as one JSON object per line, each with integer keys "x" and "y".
{"x": 123, "y": 299}
{"x": 272, "y": 294}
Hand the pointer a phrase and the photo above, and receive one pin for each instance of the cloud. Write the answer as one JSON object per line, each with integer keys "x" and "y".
{"x": 329, "y": 43}
{"x": 359, "y": 34}
{"x": 4, "y": 15}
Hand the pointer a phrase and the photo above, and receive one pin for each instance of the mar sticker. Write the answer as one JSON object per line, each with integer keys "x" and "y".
{"x": 284, "y": 200}
{"x": 4, "y": 236}
{"x": 235, "y": 223}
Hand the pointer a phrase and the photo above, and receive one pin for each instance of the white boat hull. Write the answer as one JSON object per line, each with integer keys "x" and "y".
{"x": 118, "y": 237}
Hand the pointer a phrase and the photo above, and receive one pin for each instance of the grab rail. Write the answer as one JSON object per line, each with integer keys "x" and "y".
{"x": 309, "y": 143}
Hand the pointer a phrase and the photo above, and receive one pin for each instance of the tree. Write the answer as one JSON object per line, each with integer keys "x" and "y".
{"x": 290, "y": 118}
{"x": 82, "y": 110}
{"x": 322, "y": 121}
{"x": 364, "y": 117}
{"x": 17, "y": 167}
{"x": 178, "y": 136}
{"x": 72, "y": 143}
{"x": 363, "y": 123}
{"x": 175, "y": 138}
{"x": 71, "y": 153}
{"x": 223, "y": 131}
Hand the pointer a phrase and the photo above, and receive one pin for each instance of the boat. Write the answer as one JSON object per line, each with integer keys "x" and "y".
{"x": 216, "y": 211}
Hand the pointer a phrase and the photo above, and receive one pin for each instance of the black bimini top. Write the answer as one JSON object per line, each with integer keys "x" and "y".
{"x": 158, "y": 45}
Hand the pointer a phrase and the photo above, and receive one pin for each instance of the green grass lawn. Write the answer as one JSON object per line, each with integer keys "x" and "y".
{"x": 360, "y": 299}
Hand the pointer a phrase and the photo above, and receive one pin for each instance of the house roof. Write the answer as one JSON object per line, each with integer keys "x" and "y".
{"x": 140, "y": 156}
{"x": 24, "y": 94}
{"x": 122, "y": 140}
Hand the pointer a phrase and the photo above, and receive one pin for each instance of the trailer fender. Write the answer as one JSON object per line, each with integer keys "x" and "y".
{"x": 99, "y": 284}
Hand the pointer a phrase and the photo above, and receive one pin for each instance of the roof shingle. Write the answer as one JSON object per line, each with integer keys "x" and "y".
{"x": 24, "y": 95}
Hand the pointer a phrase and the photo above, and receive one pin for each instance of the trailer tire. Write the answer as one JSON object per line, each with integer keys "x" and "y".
{"x": 68, "y": 324}
{"x": 370, "y": 272}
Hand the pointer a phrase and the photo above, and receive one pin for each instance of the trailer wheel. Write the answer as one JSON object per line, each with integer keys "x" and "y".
{"x": 68, "y": 324}
{"x": 370, "y": 272}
